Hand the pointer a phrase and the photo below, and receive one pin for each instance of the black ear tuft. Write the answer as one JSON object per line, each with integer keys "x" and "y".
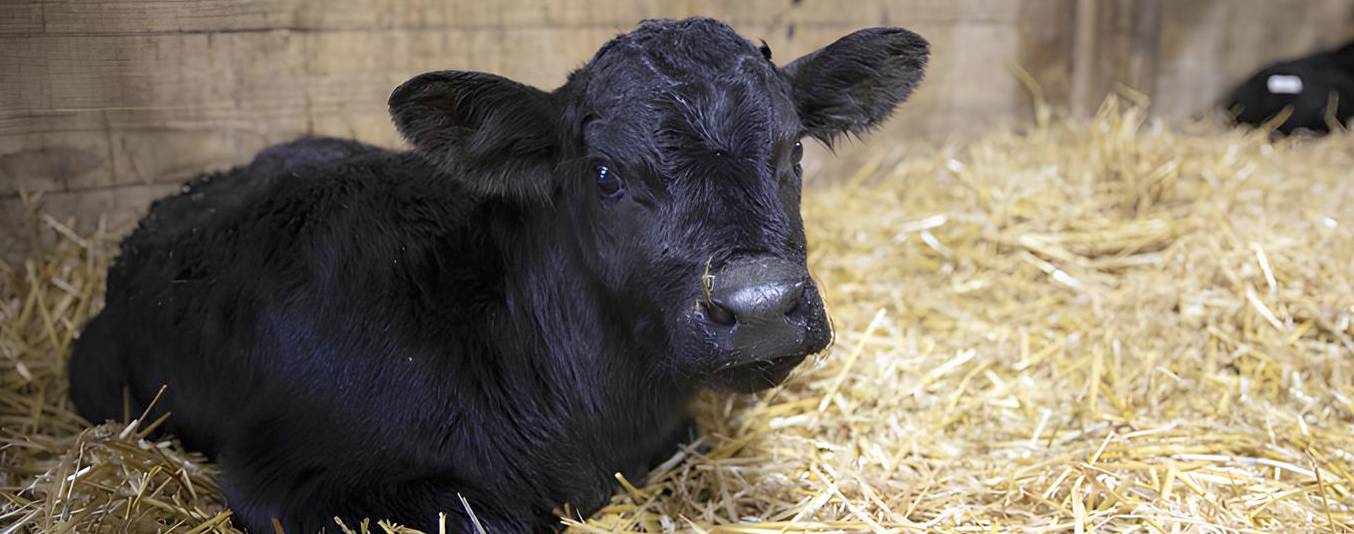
{"x": 495, "y": 135}
{"x": 853, "y": 84}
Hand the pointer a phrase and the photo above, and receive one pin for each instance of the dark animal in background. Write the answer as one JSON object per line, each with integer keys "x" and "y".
{"x": 513, "y": 312}
{"x": 1317, "y": 91}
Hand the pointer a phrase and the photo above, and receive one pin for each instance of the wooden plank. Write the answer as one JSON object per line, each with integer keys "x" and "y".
{"x": 394, "y": 14}
{"x": 24, "y": 75}
{"x": 54, "y": 152}
{"x": 166, "y": 106}
{"x": 169, "y": 146}
{"x": 340, "y": 85}
{"x": 892, "y": 13}
{"x": 178, "y": 104}
{"x": 1117, "y": 43}
{"x": 268, "y": 68}
{"x": 169, "y": 70}
{"x": 1045, "y": 32}
{"x": 70, "y": 151}
{"x": 20, "y": 16}
{"x": 1085, "y": 46}
{"x": 84, "y": 17}
{"x": 1143, "y": 46}
{"x": 321, "y": 15}
{"x": 370, "y": 126}
{"x": 164, "y": 16}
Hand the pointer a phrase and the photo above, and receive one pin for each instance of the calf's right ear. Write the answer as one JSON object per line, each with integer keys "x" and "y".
{"x": 852, "y": 85}
{"x": 491, "y": 133}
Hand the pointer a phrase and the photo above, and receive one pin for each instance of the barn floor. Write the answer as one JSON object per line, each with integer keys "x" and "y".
{"x": 1114, "y": 326}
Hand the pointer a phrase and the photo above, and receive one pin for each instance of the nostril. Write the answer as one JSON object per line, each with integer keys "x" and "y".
{"x": 796, "y": 299}
{"x": 718, "y": 313}
{"x": 794, "y": 305}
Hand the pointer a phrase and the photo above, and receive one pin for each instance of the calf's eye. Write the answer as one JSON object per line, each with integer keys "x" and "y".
{"x": 796, "y": 155}
{"x": 609, "y": 182}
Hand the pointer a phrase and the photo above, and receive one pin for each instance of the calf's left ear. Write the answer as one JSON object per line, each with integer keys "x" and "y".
{"x": 494, "y": 135}
{"x": 854, "y": 83}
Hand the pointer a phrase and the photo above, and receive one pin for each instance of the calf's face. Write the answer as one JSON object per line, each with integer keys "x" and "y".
{"x": 671, "y": 164}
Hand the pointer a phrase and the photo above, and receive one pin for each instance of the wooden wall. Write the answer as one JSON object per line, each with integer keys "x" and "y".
{"x": 1208, "y": 46}
{"x": 105, "y": 105}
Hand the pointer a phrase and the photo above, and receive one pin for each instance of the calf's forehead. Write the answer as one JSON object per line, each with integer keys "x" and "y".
{"x": 668, "y": 51}
{"x": 694, "y": 73}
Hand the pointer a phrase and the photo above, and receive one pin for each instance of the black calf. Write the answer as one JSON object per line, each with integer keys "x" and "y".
{"x": 1317, "y": 91}
{"x": 513, "y": 312}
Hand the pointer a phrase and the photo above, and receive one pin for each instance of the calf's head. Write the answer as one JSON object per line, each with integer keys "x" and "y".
{"x": 669, "y": 165}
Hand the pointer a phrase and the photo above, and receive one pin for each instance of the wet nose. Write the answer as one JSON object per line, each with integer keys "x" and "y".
{"x": 755, "y": 304}
{"x": 761, "y": 304}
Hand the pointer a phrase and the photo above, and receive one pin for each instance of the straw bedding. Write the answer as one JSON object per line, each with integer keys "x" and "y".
{"x": 1110, "y": 325}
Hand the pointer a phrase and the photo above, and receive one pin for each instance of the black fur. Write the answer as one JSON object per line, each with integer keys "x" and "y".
{"x": 854, "y": 84}
{"x": 356, "y": 332}
{"x": 1327, "y": 93}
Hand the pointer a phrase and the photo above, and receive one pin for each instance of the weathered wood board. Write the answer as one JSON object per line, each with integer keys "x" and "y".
{"x": 104, "y": 103}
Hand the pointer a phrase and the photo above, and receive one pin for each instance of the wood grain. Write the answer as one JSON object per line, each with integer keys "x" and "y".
{"x": 86, "y": 17}
{"x": 101, "y": 97}
{"x": 190, "y": 105}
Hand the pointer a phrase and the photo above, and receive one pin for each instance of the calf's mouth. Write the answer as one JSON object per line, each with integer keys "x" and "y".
{"x": 757, "y": 375}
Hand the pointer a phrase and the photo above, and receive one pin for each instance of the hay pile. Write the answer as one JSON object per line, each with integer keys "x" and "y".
{"x": 1107, "y": 326}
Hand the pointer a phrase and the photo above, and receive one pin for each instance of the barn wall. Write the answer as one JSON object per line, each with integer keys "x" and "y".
{"x": 106, "y": 105}
{"x": 1208, "y": 46}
